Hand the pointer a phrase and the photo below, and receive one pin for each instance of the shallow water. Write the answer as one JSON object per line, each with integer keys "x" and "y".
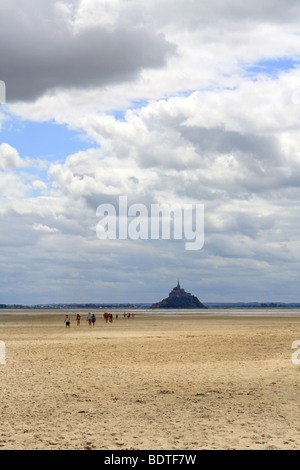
{"x": 249, "y": 312}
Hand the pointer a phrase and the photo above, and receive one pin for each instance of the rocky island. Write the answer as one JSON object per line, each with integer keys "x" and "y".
{"x": 178, "y": 298}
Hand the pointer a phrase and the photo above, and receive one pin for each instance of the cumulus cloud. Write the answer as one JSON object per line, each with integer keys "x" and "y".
{"x": 40, "y": 51}
{"x": 10, "y": 158}
{"x": 43, "y": 228}
{"x": 12, "y": 186}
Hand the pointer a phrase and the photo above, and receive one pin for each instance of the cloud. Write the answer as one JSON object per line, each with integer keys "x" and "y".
{"x": 197, "y": 14}
{"x": 43, "y": 228}
{"x": 10, "y": 158}
{"x": 50, "y": 55}
{"x": 11, "y": 186}
{"x": 38, "y": 184}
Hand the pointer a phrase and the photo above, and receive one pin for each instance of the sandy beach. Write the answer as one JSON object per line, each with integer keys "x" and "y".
{"x": 218, "y": 380}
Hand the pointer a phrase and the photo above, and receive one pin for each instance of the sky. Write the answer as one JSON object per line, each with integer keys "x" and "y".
{"x": 185, "y": 102}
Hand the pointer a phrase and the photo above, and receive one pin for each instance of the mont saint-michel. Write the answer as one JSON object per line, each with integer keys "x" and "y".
{"x": 179, "y": 298}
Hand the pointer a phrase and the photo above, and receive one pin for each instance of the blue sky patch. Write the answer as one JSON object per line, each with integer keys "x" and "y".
{"x": 45, "y": 140}
{"x": 119, "y": 115}
{"x": 272, "y": 67}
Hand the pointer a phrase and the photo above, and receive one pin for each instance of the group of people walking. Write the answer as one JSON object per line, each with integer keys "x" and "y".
{"x": 91, "y": 318}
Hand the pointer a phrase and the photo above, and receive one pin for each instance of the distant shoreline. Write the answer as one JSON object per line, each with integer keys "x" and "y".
{"x": 131, "y": 306}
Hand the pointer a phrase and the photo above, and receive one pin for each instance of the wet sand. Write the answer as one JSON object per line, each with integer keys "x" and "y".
{"x": 219, "y": 380}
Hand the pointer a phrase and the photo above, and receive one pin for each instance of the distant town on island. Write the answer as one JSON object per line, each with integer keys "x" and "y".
{"x": 177, "y": 299}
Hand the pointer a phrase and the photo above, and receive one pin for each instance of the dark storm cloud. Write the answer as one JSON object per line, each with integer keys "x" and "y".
{"x": 40, "y": 52}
